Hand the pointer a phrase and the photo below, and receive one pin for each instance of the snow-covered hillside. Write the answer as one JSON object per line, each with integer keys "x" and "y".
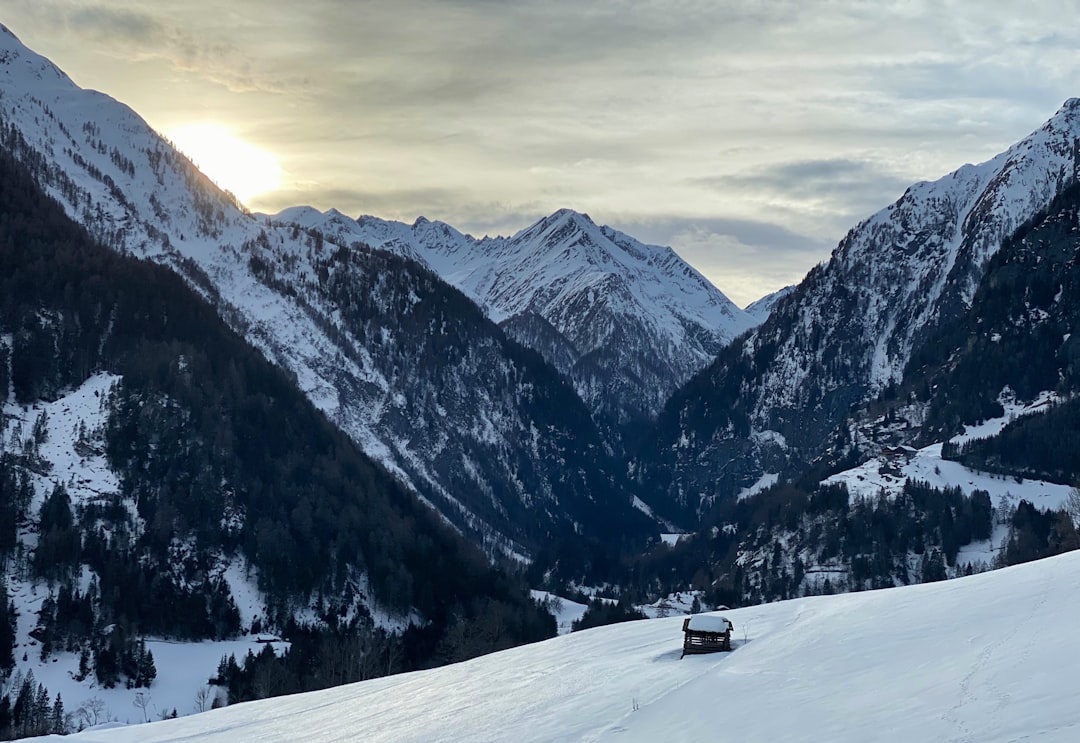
{"x": 628, "y": 322}
{"x": 917, "y": 260}
{"x": 418, "y": 378}
{"x": 887, "y": 472}
{"x": 974, "y": 659}
{"x": 761, "y": 309}
{"x": 65, "y": 440}
{"x": 849, "y": 330}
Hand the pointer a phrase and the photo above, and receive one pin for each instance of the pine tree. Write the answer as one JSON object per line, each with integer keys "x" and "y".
{"x": 5, "y": 717}
{"x": 7, "y": 630}
{"x": 57, "y": 719}
{"x": 146, "y": 671}
{"x": 84, "y": 663}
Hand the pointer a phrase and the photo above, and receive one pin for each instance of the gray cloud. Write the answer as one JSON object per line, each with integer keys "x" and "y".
{"x": 745, "y": 259}
{"x": 842, "y": 189}
{"x": 103, "y": 22}
{"x": 142, "y": 31}
{"x": 693, "y": 120}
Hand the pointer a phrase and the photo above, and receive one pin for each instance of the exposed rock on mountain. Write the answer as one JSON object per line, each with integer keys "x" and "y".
{"x": 625, "y": 321}
{"x": 403, "y": 363}
{"x": 851, "y": 327}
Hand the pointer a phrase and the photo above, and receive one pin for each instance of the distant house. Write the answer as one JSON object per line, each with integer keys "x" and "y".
{"x": 706, "y": 633}
{"x": 898, "y": 452}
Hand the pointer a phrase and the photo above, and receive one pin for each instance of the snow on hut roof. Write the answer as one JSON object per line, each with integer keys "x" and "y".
{"x": 708, "y": 623}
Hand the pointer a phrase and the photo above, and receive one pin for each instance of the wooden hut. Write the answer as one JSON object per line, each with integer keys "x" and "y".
{"x": 706, "y": 633}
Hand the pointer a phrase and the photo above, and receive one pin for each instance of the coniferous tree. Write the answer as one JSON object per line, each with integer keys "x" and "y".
{"x": 57, "y": 718}
{"x": 7, "y": 630}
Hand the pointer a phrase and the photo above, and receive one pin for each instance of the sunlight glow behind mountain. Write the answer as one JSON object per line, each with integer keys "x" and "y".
{"x": 235, "y": 165}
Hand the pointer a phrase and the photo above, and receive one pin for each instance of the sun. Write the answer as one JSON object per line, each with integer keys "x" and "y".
{"x": 235, "y": 165}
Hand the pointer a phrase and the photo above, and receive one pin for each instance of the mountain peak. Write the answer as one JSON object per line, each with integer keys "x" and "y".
{"x": 557, "y": 224}
{"x": 570, "y": 214}
{"x": 1071, "y": 104}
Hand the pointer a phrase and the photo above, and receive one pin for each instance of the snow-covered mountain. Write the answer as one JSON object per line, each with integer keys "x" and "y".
{"x": 978, "y": 658}
{"x": 850, "y": 328}
{"x": 162, "y": 483}
{"x": 760, "y": 309}
{"x": 627, "y": 322}
{"x": 400, "y": 361}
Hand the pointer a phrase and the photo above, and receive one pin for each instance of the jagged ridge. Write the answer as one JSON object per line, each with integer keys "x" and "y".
{"x": 628, "y": 322}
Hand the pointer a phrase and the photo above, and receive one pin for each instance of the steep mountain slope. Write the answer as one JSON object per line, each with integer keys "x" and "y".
{"x": 850, "y": 328}
{"x": 977, "y": 658}
{"x": 627, "y": 322}
{"x": 762, "y": 308}
{"x": 399, "y": 360}
{"x": 154, "y": 467}
{"x": 1018, "y": 342}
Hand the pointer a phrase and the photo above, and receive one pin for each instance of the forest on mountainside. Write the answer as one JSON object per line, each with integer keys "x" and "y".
{"x": 1019, "y": 338}
{"x": 219, "y": 455}
{"x": 800, "y": 539}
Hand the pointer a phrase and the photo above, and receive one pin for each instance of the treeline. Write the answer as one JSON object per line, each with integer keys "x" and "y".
{"x": 318, "y": 658}
{"x": 600, "y": 612}
{"x": 1035, "y": 534}
{"x": 28, "y": 710}
{"x": 794, "y": 540}
{"x": 313, "y": 660}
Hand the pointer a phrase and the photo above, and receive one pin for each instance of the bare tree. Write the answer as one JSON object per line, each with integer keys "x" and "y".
{"x": 142, "y": 701}
{"x": 92, "y": 712}
{"x": 203, "y": 697}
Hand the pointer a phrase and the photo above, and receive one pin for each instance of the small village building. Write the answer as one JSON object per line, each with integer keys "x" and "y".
{"x": 706, "y": 633}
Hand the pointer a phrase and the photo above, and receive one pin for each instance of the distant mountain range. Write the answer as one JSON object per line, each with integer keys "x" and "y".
{"x": 372, "y": 435}
{"x": 403, "y": 363}
{"x": 626, "y": 322}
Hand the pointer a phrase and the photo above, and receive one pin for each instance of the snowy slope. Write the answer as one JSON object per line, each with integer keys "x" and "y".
{"x": 887, "y": 474}
{"x": 977, "y": 659}
{"x": 898, "y": 271}
{"x": 595, "y": 289}
{"x": 426, "y": 418}
{"x": 849, "y": 329}
{"x": 70, "y": 453}
{"x": 762, "y": 308}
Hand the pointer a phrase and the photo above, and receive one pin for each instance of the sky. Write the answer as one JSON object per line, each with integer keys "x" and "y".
{"x": 749, "y": 136}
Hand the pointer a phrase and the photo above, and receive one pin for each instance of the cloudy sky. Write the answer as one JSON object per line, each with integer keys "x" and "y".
{"x": 749, "y": 135}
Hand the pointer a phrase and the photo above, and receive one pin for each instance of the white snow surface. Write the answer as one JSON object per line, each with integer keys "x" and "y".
{"x": 86, "y": 475}
{"x": 183, "y": 670}
{"x": 973, "y": 659}
{"x": 764, "y": 482}
{"x": 565, "y": 611}
{"x": 1013, "y": 410}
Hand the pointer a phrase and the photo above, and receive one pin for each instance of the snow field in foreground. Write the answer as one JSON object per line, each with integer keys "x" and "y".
{"x": 988, "y": 658}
